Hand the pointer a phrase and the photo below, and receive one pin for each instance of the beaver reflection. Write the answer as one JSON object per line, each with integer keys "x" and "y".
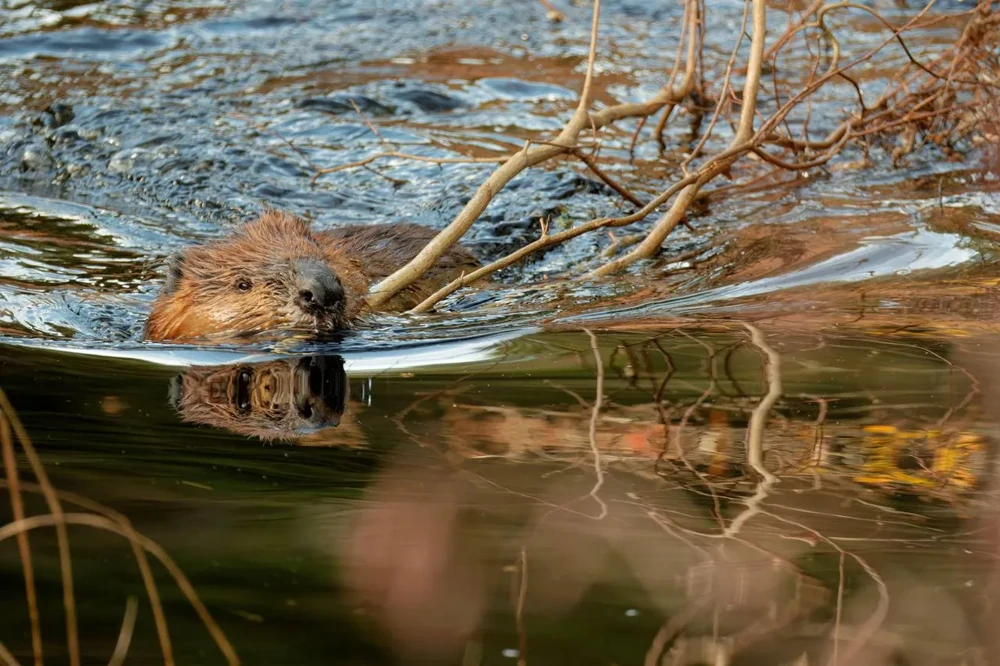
{"x": 272, "y": 400}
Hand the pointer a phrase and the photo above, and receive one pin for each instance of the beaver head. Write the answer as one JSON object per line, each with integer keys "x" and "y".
{"x": 270, "y": 274}
{"x": 272, "y": 400}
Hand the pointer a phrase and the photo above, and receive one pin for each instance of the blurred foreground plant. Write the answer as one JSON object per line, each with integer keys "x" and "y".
{"x": 94, "y": 515}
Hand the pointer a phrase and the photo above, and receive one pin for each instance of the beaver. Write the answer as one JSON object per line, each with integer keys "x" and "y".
{"x": 281, "y": 399}
{"x": 277, "y": 273}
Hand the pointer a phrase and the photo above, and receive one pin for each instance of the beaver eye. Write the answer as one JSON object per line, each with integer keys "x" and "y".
{"x": 243, "y": 285}
{"x": 243, "y": 391}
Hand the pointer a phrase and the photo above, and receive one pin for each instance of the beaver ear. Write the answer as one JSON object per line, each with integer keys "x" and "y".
{"x": 175, "y": 271}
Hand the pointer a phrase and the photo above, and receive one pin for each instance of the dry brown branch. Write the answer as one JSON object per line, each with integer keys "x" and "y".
{"x": 651, "y": 244}
{"x": 527, "y": 156}
{"x": 744, "y": 142}
{"x": 940, "y": 101}
{"x": 793, "y": 29}
{"x": 836, "y": 70}
{"x": 611, "y": 182}
{"x": 723, "y": 94}
{"x": 692, "y": 20}
{"x": 547, "y": 240}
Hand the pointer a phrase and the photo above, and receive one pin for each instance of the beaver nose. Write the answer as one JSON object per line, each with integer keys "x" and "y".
{"x": 319, "y": 288}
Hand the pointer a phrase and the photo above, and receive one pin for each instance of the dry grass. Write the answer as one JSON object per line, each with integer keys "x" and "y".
{"x": 13, "y": 436}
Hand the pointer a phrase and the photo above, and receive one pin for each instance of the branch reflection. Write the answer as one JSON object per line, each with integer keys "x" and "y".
{"x": 706, "y": 494}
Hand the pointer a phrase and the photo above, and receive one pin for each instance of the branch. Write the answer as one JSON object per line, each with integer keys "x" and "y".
{"x": 608, "y": 180}
{"x": 526, "y": 157}
{"x": 529, "y": 156}
{"x": 692, "y": 20}
{"x": 648, "y": 247}
{"x": 546, "y": 240}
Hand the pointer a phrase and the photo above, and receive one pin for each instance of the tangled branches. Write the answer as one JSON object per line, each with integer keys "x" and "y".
{"x": 949, "y": 100}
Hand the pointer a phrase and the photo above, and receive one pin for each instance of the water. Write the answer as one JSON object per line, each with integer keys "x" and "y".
{"x": 460, "y": 512}
{"x": 774, "y": 445}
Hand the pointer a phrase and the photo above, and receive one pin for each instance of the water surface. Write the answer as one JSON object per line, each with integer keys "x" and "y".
{"x": 775, "y": 444}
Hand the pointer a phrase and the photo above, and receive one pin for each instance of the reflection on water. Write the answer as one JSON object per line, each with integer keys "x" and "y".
{"x": 815, "y": 488}
{"x": 270, "y": 400}
{"x": 700, "y": 493}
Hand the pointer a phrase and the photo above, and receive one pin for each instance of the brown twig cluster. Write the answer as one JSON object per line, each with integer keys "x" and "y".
{"x": 89, "y": 514}
{"x": 945, "y": 100}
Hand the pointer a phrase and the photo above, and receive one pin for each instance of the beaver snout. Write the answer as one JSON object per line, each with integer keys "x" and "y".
{"x": 320, "y": 390}
{"x": 319, "y": 289}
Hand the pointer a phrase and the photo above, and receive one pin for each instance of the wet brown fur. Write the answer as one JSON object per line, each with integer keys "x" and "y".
{"x": 200, "y": 301}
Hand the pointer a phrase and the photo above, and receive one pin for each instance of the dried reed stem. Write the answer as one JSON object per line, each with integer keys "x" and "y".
{"x": 23, "y": 545}
{"x": 62, "y": 538}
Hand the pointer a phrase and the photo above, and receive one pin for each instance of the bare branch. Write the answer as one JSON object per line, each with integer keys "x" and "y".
{"x": 528, "y": 156}
{"x": 548, "y": 240}
{"x": 648, "y": 247}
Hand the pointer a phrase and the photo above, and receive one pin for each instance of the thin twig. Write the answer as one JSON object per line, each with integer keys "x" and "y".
{"x": 611, "y": 182}
{"x": 648, "y": 247}
{"x": 368, "y": 123}
{"x": 408, "y": 156}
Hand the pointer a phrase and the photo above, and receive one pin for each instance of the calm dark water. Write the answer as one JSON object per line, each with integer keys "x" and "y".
{"x": 774, "y": 445}
{"x": 533, "y": 500}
